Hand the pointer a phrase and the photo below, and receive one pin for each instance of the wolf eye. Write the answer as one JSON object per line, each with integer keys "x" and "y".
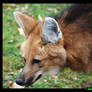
{"x": 35, "y": 61}
{"x": 24, "y": 60}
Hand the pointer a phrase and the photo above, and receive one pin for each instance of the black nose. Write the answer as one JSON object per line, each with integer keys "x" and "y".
{"x": 20, "y": 81}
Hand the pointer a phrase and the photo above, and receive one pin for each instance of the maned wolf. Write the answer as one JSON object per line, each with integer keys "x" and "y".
{"x": 56, "y": 43}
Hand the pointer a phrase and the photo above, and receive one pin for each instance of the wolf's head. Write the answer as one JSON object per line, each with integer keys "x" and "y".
{"x": 42, "y": 48}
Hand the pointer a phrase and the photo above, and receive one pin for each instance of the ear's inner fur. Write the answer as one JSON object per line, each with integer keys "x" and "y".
{"x": 26, "y": 23}
{"x": 50, "y": 32}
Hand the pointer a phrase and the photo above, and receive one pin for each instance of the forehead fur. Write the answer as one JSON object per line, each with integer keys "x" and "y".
{"x": 28, "y": 47}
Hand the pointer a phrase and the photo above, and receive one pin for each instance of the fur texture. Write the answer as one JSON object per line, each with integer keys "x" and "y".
{"x": 73, "y": 49}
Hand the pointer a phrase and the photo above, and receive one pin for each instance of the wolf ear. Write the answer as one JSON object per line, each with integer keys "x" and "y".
{"x": 51, "y": 31}
{"x": 25, "y": 23}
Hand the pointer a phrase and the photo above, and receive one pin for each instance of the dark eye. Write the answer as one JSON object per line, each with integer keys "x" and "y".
{"x": 35, "y": 61}
{"x": 24, "y": 60}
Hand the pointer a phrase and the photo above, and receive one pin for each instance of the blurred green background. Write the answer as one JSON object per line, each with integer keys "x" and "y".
{"x": 13, "y": 62}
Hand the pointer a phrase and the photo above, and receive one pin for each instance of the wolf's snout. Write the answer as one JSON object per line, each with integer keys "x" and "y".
{"x": 20, "y": 81}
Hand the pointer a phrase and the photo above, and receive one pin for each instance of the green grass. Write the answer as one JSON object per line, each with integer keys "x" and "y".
{"x": 12, "y": 61}
{"x": 64, "y": 80}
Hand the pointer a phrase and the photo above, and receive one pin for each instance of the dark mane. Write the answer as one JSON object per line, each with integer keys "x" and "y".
{"x": 74, "y": 12}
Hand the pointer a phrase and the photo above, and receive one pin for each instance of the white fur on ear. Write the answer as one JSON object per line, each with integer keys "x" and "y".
{"x": 51, "y": 31}
{"x": 25, "y": 23}
{"x": 19, "y": 22}
{"x": 21, "y": 32}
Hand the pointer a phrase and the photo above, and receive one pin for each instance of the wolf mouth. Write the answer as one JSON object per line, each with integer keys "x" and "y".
{"x": 29, "y": 81}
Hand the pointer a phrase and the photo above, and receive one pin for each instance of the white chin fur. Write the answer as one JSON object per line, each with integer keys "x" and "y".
{"x": 52, "y": 71}
{"x": 36, "y": 75}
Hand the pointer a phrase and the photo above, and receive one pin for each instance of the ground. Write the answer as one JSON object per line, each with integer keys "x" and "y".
{"x": 13, "y": 62}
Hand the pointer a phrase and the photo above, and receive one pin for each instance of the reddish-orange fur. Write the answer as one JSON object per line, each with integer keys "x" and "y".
{"x": 78, "y": 41}
{"x": 73, "y": 50}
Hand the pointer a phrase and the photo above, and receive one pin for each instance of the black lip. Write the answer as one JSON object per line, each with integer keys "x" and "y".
{"x": 38, "y": 77}
{"x": 29, "y": 81}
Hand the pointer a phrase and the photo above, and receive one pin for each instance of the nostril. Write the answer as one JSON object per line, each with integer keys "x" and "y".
{"x": 20, "y": 81}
